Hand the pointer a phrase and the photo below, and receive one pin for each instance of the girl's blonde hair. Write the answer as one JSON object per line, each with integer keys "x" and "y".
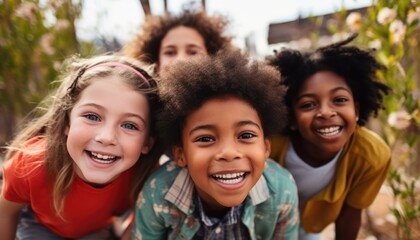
{"x": 54, "y": 118}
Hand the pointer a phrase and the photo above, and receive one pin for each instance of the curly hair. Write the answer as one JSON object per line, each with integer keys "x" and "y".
{"x": 187, "y": 86}
{"x": 356, "y": 66}
{"x": 145, "y": 46}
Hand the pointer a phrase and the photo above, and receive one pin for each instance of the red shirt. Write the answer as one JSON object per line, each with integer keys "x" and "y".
{"x": 86, "y": 209}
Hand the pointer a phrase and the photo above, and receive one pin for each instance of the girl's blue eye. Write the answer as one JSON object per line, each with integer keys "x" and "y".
{"x": 247, "y": 135}
{"x": 92, "y": 117}
{"x": 204, "y": 139}
{"x": 130, "y": 126}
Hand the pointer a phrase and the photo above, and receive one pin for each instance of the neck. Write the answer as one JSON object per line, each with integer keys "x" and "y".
{"x": 310, "y": 154}
{"x": 216, "y": 212}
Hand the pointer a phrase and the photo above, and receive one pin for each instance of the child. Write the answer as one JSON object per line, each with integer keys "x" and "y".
{"x": 75, "y": 165}
{"x": 165, "y": 39}
{"x": 339, "y": 166}
{"x": 218, "y": 115}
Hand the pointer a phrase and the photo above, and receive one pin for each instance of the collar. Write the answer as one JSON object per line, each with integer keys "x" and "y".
{"x": 181, "y": 192}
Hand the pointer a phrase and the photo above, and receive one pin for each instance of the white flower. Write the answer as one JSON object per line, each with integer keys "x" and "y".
{"x": 412, "y": 16}
{"x": 46, "y": 43}
{"x": 55, "y": 4}
{"x": 399, "y": 120}
{"x": 304, "y": 43}
{"x": 386, "y": 15}
{"x": 375, "y": 44}
{"x": 391, "y": 218}
{"x": 27, "y": 11}
{"x": 57, "y": 66}
{"x": 354, "y": 21}
{"x": 397, "y": 30}
{"x": 371, "y": 238}
{"x": 339, "y": 36}
{"x": 61, "y": 24}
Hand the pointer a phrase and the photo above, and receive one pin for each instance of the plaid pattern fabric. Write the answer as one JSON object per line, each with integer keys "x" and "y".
{"x": 227, "y": 227}
{"x": 166, "y": 209}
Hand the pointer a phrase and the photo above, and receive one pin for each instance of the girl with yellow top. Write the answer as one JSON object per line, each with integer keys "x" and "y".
{"x": 339, "y": 165}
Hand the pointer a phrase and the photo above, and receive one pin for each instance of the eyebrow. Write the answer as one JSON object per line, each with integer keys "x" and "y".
{"x": 332, "y": 91}
{"x": 103, "y": 109}
{"x": 212, "y": 127}
{"x": 189, "y": 45}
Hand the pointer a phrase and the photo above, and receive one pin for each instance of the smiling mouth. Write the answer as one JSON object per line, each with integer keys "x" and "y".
{"x": 102, "y": 158}
{"x": 230, "y": 178}
{"x": 329, "y": 131}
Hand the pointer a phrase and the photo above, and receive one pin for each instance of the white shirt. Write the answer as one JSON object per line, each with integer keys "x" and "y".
{"x": 309, "y": 180}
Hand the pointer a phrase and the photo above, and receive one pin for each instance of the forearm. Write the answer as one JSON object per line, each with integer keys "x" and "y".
{"x": 348, "y": 223}
{"x": 8, "y": 228}
{"x": 127, "y": 233}
{"x": 9, "y": 217}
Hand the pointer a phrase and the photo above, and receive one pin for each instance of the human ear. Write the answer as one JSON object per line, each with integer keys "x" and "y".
{"x": 67, "y": 127}
{"x": 147, "y": 145}
{"x": 357, "y": 108}
{"x": 267, "y": 144}
{"x": 179, "y": 156}
{"x": 292, "y": 123}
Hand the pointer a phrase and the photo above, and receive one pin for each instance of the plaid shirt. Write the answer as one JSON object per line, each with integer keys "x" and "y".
{"x": 165, "y": 207}
{"x": 228, "y": 227}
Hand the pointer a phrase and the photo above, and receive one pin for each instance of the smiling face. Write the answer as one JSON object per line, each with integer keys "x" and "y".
{"x": 224, "y": 150}
{"x": 325, "y": 115}
{"x": 180, "y": 43}
{"x": 108, "y": 130}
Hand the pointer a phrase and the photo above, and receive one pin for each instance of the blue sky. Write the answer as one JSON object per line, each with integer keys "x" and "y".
{"x": 121, "y": 18}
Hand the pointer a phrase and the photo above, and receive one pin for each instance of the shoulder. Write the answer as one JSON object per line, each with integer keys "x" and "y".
{"x": 279, "y": 141}
{"x": 370, "y": 146}
{"x": 163, "y": 176}
{"x": 279, "y": 145}
{"x": 278, "y": 177}
{"x": 27, "y": 159}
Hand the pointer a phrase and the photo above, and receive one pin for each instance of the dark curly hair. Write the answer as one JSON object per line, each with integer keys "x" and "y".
{"x": 357, "y": 67}
{"x": 145, "y": 46}
{"x": 187, "y": 85}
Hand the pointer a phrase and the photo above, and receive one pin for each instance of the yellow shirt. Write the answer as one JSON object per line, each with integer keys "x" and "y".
{"x": 360, "y": 172}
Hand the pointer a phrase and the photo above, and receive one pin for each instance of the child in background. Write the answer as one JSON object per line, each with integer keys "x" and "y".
{"x": 338, "y": 165}
{"x": 165, "y": 39}
{"x": 75, "y": 166}
{"x": 218, "y": 115}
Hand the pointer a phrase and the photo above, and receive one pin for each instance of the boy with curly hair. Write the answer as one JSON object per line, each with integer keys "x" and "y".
{"x": 219, "y": 113}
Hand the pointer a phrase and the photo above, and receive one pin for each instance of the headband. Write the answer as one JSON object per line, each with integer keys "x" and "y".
{"x": 118, "y": 64}
{"x": 110, "y": 64}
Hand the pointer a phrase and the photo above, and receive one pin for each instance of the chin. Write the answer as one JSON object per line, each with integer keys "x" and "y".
{"x": 98, "y": 182}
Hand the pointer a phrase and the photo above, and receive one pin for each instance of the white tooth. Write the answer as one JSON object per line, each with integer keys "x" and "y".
{"x": 105, "y": 157}
{"x": 329, "y": 130}
{"x": 231, "y": 181}
{"x": 229, "y": 175}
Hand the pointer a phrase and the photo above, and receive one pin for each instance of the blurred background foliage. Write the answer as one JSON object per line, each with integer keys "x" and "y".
{"x": 35, "y": 38}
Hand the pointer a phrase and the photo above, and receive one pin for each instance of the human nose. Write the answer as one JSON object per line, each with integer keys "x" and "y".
{"x": 228, "y": 151}
{"x": 326, "y": 111}
{"x": 106, "y": 135}
{"x": 182, "y": 56}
